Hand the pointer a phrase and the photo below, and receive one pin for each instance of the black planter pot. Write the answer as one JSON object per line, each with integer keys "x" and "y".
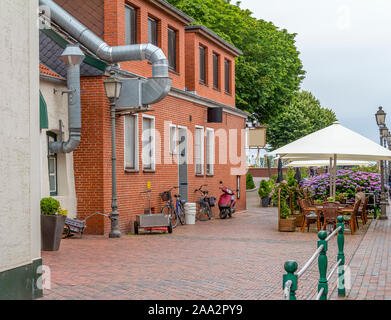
{"x": 265, "y": 202}
{"x": 52, "y": 228}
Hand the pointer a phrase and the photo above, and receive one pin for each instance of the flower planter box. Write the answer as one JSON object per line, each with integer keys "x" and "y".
{"x": 299, "y": 220}
{"x": 52, "y": 227}
{"x": 287, "y": 225}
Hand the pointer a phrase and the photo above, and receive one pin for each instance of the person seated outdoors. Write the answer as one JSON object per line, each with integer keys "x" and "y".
{"x": 359, "y": 196}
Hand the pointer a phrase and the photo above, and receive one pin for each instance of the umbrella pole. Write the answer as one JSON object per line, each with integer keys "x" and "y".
{"x": 331, "y": 176}
{"x": 335, "y": 177}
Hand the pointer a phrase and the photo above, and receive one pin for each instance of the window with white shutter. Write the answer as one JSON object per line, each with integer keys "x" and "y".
{"x": 199, "y": 150}
{"x": 210, "y": 151}
{"x": 148, "y": 153}
{"x": 131, "y": 142}
{"x": 173, "y": 139}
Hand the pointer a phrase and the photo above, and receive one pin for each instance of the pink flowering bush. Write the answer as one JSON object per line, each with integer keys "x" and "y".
{"x": 346, "y": 182}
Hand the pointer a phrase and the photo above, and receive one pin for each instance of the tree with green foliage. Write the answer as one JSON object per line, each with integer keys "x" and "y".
{"x": 269, "y": 72}
{"x": 303, "y": 116}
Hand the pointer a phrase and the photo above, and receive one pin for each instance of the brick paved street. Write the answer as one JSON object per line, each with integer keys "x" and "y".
{"x": 371, "y": 265}
{"x": 241, "y": 258}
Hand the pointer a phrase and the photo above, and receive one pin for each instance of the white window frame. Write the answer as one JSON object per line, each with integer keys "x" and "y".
{"x": 136, "y": 144}
{"x": 153, "y": 161}
{"x": 210, "y": 153}
{"x": 202, "y": 150}
{"x": 173, "y": 147}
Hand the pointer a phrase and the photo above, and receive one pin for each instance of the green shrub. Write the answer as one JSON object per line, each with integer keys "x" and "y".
{"x": 273, "y": 178}
{"x": 264, "y": 189}
{"x": 49, "y": 206}
{"x": 249, "y": 182}
{"x": 285, "y": 212}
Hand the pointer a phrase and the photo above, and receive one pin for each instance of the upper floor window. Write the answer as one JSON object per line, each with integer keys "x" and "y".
{"x": 152, "y": 31}
{"x": 215, "y": 71}
{"x": 130, "y": 25}
{"x": 202, "y": 64}
{"x": 227, "y": 71}
{"x": 172, "y": 48}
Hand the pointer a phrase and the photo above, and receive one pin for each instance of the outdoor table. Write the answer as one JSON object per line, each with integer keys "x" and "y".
{"x": 342, "y": 209}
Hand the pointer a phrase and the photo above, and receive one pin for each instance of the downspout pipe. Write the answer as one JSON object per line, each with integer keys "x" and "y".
{"x": 101, "y": 49}
{"x": 72, "y": 57}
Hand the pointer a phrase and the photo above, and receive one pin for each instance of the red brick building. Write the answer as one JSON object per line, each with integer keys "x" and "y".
{"x": 202, "y": 67}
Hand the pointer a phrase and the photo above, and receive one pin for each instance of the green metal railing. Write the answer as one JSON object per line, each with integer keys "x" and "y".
{"x": 290, "y": 279}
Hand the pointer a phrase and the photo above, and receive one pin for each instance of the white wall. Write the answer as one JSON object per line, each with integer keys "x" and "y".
{"x": 57, "y": 104}
{"x": 19, "y": 134}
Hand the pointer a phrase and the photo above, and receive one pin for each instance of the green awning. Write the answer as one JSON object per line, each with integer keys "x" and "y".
{"x": 43, "y": 112}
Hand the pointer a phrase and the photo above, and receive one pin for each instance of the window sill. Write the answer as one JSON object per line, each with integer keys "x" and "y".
{"x": 149, "y": 170}
{"x": 132, "y": 170}
{"x": 210, "y": 174}
{"x": 216, "y": 89}
{"x": 204, "y": 84}
{"x": 199, "y": 175}
{"x": 228, "y": 93}
{"x": 173, "y": 72}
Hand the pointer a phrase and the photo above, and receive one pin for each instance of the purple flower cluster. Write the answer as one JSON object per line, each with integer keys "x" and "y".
{"x": 346, "y": 182}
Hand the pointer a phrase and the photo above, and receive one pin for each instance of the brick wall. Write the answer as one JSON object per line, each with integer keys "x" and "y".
{"x": 263, "y": 172}
{"x": 92, "y": 159}
{"x": 193, "y": 41}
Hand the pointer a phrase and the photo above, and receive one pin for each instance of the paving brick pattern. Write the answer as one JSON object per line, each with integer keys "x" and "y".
{"x": 240, "y": 258}
{"x": 370, "y": 267}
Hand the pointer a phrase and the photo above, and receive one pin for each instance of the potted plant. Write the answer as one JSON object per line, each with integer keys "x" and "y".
{"x": 286, "y": 223}
{"x": 52, "y": 224}
{"x": 250, "y": 185}
{"x": 264, "y": 192}
{"x": 330, "y": 199}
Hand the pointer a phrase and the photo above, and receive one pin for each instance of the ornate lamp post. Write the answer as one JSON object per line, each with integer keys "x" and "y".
{"x": 380, "y": 120}
{"x": 113, "y": 90}
{"x": 388, "y": 162}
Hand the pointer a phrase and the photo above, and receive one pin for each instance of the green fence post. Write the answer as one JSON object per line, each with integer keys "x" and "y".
{"x": 322, "y": 265}
{"x": 341, "y": 255}
{"x": 290, "y": 267}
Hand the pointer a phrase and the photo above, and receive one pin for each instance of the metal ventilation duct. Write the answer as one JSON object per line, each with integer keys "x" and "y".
{"x": 154, "y": 89}
{"x": 72, "y": 57}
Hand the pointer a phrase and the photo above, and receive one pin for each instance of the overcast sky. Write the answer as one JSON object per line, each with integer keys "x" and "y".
{"x": 345, "y": 47}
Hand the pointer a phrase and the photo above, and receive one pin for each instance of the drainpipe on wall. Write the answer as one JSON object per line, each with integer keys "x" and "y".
{"x": 72, "y": 57}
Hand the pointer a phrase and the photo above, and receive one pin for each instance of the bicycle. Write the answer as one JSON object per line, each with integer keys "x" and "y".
{"x": 176, "y": 212}
{"x": 205, "y": 211}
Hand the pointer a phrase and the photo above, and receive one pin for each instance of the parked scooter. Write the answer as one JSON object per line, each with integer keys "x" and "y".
{"x": 227, "y": 202}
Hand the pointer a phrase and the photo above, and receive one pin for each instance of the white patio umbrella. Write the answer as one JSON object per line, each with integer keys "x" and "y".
{"x": 333, "y": 143}
{"x": 326, "y": 163}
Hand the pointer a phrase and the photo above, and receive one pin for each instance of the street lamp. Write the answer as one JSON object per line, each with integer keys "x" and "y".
{"x": 113, "y": 88}
{"x": 381, "y": 120}
{"x": 380, "y": 117}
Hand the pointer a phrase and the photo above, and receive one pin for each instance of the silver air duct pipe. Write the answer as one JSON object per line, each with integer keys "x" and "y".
{"x": 156, "y": 88}
{"x": 72, "y": 57}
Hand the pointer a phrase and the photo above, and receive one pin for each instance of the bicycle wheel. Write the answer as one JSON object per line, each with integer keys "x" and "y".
{"x": 181, "y": 213}
{"x": 173, "y": 217}
{"x": 202, "y": 213}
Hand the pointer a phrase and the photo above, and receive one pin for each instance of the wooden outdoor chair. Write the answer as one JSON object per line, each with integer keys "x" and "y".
{"x": 330, "y": 214}
{"x": 309, "y": 215}
{"x": 362, "y": 213}
{"x": 351, "y": 219}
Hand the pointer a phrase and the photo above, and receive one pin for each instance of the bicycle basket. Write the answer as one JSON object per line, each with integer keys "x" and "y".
{"x": 212, "y": 201}
{"x": 166, "y": 195}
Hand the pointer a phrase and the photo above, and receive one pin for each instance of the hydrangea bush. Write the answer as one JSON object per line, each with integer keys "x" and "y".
{"x": 346, "y": 182}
